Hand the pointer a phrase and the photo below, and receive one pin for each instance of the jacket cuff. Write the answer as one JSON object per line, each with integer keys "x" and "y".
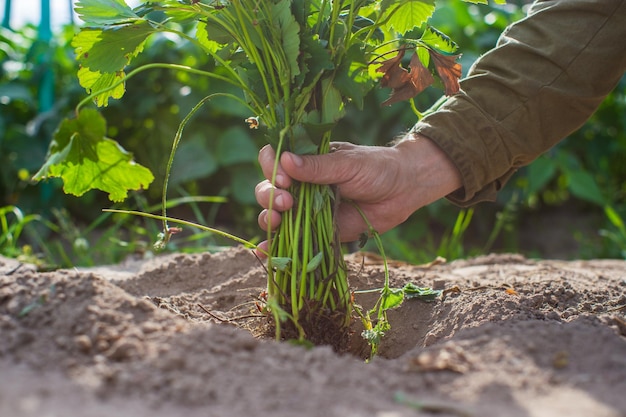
{"x": 474, "y": 144}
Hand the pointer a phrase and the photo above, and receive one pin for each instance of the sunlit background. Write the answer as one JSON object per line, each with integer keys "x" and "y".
{"x": 569, "y": 204}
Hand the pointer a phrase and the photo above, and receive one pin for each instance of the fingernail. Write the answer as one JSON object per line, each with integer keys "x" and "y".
{"x": 297, "y": 161}
{"x": 279, "y": 201}
{"x": 280, "y": 180}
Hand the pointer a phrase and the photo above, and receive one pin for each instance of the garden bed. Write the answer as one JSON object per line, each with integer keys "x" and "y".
{"x": 177, "y": 335}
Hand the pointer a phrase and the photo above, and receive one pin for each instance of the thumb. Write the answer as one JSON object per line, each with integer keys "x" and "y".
{"x": 318, "y": 169}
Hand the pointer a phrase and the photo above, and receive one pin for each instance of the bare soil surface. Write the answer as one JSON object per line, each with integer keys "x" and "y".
{"x": 170, "y": 337}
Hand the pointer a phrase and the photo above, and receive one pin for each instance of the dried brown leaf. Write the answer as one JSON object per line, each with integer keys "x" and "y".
{"x": 404, "y": 84}
{"x": 449, "y": 71}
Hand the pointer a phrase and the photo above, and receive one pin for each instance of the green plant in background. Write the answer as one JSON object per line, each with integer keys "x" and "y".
{"x": 586, "y": 172}
{"x": 25, "y": 124}
{"x": 617, "y": 236}
{"x": 151, "y": 109}
{"x": 12, "y": 224}
{"x": 296, "y": 66}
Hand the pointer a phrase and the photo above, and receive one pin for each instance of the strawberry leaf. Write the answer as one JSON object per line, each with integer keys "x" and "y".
{"x": 104, "y": 12}
{"x": 438, "y": 41}
{"x": 392, "y": 298}
{"x": 423, "y": 293}
{"x": 85, "y": 159}
{"x": 103, "y": 54}
{"x": 95, "y": 81}
{"x": 406, "y": 15}
{"x": 485, "y": 1}
{"x": 202, "y": 35}
{"x": 111, "y": 49}
{"x": 289, "y": 34}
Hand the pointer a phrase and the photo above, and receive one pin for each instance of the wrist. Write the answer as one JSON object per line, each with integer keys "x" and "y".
{"x": 428, "y": 169}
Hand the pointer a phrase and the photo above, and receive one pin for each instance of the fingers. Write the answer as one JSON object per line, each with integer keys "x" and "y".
{"x": 262, "y": 249}
{"x": 321, "y": 169}
{"x": 265, "y": 191}
{"x": 332, "y": 168}
{"x": 269, "y": 219}
{"x": 267, "y": 158}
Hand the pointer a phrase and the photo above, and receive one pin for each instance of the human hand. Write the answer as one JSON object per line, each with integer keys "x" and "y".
{"x": 387, "y": 183}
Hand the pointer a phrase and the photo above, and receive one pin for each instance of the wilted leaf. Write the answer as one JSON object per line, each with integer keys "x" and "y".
{"x": 404, "y": 84}
{"x": 424, "y": 293}
{"x": 449, "y": 71}
{"x": 86, "y": 160}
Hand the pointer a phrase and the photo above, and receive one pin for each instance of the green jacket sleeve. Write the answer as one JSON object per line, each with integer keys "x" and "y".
{"x": 543, "y": 80}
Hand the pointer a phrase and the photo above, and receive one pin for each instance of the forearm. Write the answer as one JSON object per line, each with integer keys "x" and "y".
{"x": 545, "y": 78}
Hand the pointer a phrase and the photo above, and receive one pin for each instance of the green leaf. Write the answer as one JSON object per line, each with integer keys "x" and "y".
{"x": 392, "y": 298}
{"x": 361, "y": 22}
{"x": 202, "y": 35}
{"x": 193, "y": 160}
{"x": 351, "y": 79}
{"x": 424, "y": 293}
{"x": 424, "y": 56}
{"x": 280, "y": 263}
{"x": 406, "y": 15}
{"x": 235, "y": 146}
{"x": 289, "y": 33}
{"x": 316, "y": 59}
{"x": 540, "y": 172}
{"x": 104, "y": 12}
{"x": 214, "y": 33}
{"x": 614, "y": 218}
{"x": 110, "y": 50}
{"x": 175, "y": 10}
{"x": 310, "y": 132}
{"x": 86, "y": 160}
{"x": 485, "y": 1}
{"x": 96, "y": 81}
{"x": 583, "y": 186}
{"x": 315, "y": 262}
{"x": 242, "y": 182}
{"x": 439, "y": 41}
{"x": 332, "y": 103}
{"x": 277, "y": 310}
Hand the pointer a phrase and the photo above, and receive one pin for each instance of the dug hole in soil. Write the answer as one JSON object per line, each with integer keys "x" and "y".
{"x": 169, "y": 337}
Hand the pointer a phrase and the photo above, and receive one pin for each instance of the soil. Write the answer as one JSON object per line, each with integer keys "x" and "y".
{"x": 176, "y": 336}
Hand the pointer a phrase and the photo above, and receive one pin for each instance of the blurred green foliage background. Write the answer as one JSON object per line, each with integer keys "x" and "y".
{"x": 567, "y": 204}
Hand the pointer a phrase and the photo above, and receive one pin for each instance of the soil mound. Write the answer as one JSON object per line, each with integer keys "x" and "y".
{"x": 172, "y": 336}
